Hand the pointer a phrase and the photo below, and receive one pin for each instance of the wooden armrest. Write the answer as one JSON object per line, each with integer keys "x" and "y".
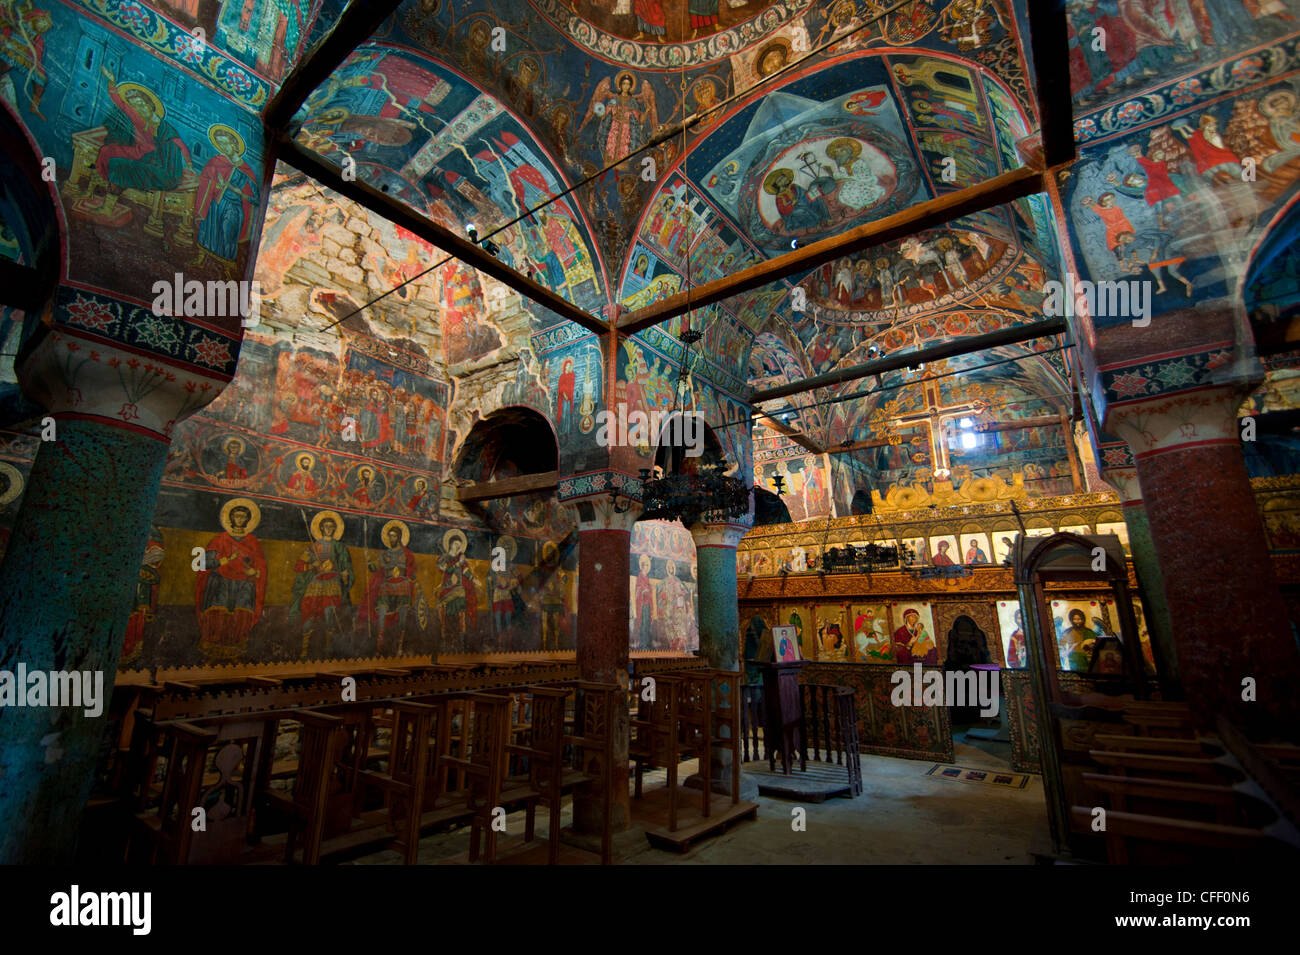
{"x": 314, "y": 718}
{"x": 527, "y": 751}
{"x": 195, "y": 733}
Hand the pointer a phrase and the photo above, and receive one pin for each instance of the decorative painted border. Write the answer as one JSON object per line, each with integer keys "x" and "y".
{"x": 670, "y": 56}
{"x": 1265, "y": 64}
{"x": 599, "y": 482}
{"x": 1165, "y": 376}
{"x": 153, "y": 30}
{"x": 1117, "y": 455}
{"x": 99, "y": 316}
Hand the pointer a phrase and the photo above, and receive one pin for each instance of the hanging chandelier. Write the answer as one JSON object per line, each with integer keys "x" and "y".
{"x": 703, "y": 493}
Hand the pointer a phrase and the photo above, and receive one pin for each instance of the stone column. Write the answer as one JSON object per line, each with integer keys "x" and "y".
{"x": 1228, "y": 619}
{"x": 1122, "y": 475}
{"x": 604, "y": 594}
{"x": 719, "y": 622}
{"x": 69, "y": 575}
{"x": 719, "y": 610}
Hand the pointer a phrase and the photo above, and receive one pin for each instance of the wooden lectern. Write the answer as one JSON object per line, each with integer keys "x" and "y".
{"x": 783, "y": 714}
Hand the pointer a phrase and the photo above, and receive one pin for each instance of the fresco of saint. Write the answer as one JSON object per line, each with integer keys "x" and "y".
{"x": 230, "y": 591}
{"x": 225, "y": 199}
{"x": 458, "y": 592}
{"x": 141, "y": 149}
{"x": 392, "y": 590}
{"x": 322, "y": 587}
{"x": 626, "y": 116}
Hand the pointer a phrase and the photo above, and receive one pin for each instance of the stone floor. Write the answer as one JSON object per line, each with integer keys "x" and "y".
{"x": 903, "y": 816}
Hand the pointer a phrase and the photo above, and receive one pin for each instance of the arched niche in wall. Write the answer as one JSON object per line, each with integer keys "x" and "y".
{"x": 31, "y": 253}
{"x": 686, "y": 444}
{"x": 769, "y": 509}
{"x": 511, "y": 452}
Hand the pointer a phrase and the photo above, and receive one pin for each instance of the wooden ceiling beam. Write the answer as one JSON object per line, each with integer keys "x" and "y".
{"x": 949, "y": 349}
{"x": 462, "y": 248}
{"x": 924, "y": 215}
{"x": 355, "y": 26}
{"x": 1050, "y": 52}
{"x": 794, "y": 434}
{"x": 1048, "y": 421}
{"x": 508, "y": 487}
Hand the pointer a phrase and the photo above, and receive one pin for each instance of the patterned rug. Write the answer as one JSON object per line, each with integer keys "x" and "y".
{"x": 995, "y": 777}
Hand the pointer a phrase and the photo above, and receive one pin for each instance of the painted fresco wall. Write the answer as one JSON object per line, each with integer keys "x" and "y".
{"x": 665, "y": 591}
{"x": 318, "y": 489}
{"x": 1176, "y": 183}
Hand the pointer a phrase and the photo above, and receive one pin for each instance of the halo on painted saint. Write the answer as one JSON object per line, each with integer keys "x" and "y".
{"x": 254, "y": 515}
{"x": 318, "y": 534}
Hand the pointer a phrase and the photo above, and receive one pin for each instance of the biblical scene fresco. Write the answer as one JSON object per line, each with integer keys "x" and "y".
{"x": 142, "y": 162}
{"x": 665, "y": 592}
{"x": 1178, "y": 203}
{"x": 805, "y": 479}
{"x": 405, "y": 125}
{"x": 648, "y": 380}
{"x": 1120, "y": 47}
{"x": 590, "y": 80}
{"x": 315, "y": 489}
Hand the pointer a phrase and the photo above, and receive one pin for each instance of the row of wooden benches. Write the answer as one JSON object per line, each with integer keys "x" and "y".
{"x": 1170, "y": 794}
{"x": 333, "y": 782}
{"x": 683, "y": 715}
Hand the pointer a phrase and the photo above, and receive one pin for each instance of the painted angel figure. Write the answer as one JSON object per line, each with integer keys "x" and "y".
{"x": 626, "y": 116}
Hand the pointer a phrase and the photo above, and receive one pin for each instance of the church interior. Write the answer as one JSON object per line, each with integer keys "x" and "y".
{"x": 649, "y": 431}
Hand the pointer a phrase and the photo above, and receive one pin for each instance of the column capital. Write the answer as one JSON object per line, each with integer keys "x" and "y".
{"x": 597, "y": 512}
{"x": 1164, "y": 423}
{"x": 721, "y": 533}
{"x": 1119, "y": 470}
{"x": 74, "y": 376}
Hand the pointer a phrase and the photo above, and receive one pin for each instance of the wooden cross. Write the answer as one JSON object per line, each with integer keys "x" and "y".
{"x": 932, "y": 418}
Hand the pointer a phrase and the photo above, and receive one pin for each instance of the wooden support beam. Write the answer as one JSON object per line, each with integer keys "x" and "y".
{"x": 1046, "y": 421}
{"x": 925, "y": 215}
{"x": 355, "y": 26}
{"x": 860, "y": 445}
{"x": 1049, "y": 44}
{"x": 508, "y": 487}
{"x": 960, "y": 346}
{"x": 794, "y": 434}
{"x": 25, "y": 287}
{"x": 400, "y": 213}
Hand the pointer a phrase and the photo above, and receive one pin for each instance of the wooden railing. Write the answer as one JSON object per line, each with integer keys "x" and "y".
{"x": 829, "y": 724}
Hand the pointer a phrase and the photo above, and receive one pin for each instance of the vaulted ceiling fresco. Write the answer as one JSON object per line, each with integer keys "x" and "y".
{"x": 623, "y": 151}
{"x": 479, "y": 113}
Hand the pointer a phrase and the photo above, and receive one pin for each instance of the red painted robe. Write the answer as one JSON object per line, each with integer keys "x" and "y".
{"x": 564, "y": 398}
{"x": 303, "y": 483}
{"x": 1159, "y": 185}
{"x": 1208, "y": 155}
{"x": 220, "y": 168}
{"x": 1116, "y": 223}
{"x": 219, "y": 624}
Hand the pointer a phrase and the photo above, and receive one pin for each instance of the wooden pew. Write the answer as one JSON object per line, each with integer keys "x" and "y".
{"x": 1148, "y": 839}
{"x": 1155, "y": 764}
{"x": 592, "y": 743}
{"x": 166, "y": 833}
{"x": 322, "y": 739}
{"x": 655, "y": 738}
{"x": 484, "y": 769}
